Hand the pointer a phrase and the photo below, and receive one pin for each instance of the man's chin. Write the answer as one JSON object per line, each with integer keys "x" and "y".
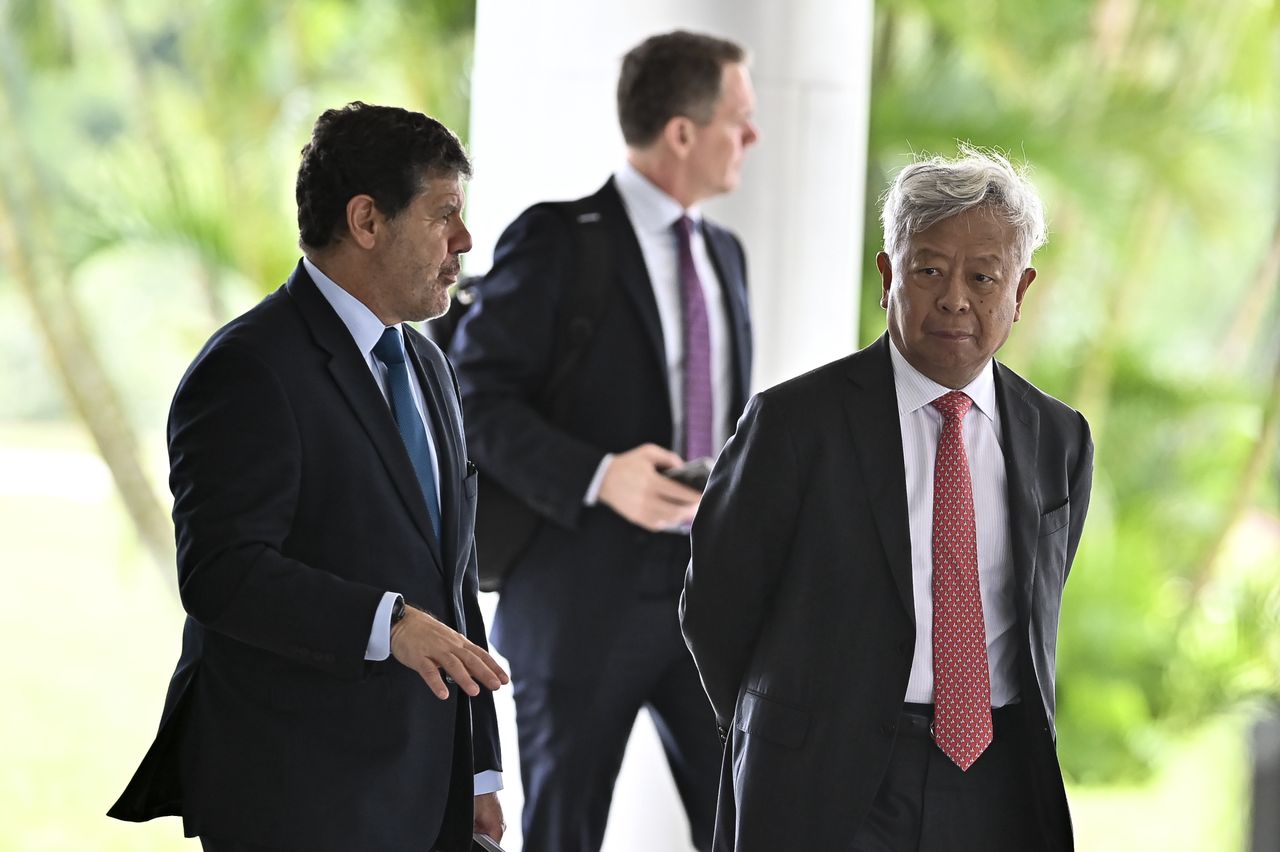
{"x": 429, "y": 310}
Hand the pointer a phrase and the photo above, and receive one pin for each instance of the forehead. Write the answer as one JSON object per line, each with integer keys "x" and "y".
{"x": 736, "y": 93}
{"x": 441, "y": 188}
{"x": 977, "y": 231}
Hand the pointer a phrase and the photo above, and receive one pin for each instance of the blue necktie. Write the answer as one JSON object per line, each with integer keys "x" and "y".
{"x": 390, "y": 351}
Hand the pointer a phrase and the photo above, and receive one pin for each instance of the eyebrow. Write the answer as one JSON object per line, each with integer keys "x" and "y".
{"x": 924, "y": 253}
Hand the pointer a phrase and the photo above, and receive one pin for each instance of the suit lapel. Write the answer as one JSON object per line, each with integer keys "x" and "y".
{"x": 448, "y": 450}
{"x": 632, "y": 272}
{"x": 724, "y": 257}
{"x": 877, "y": 438}
{"x": 1020, "y": 423}
{"x": 357, "y": 385}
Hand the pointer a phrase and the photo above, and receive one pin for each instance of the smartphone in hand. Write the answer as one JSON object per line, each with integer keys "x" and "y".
{"x": 692, "y": 473}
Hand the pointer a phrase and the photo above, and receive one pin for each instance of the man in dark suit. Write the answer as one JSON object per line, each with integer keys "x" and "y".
{"x": 587, "y": 617}
{"x": 332, "y": 692}
{"x": 879, "y": 559}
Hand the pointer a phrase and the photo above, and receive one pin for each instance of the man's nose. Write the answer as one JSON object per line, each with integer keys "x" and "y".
{"x": 955, "y": 296}
{"x": 460, "y": 242}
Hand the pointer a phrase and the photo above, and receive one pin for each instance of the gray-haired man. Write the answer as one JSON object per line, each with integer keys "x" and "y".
{"x": 879, "y": 559}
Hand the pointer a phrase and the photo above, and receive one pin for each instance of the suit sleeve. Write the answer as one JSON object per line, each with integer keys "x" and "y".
{"x": 235, "y": 469}
{"x": 1081, "y": 487}
{"x": 741, "y": 538}
{"x": 504, "y": 351}
{"x": 485, "y": 748}
{"x": 486, "y": 751}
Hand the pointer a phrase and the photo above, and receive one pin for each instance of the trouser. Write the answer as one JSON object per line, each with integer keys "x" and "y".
{"x": 927, "y": 804}
{"x": 574, "y": 729}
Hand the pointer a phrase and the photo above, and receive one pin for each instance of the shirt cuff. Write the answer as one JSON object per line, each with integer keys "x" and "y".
{"x": 489, "y": 781}
{"x": 593, "y": 490}
{"x": 379, "y": 647}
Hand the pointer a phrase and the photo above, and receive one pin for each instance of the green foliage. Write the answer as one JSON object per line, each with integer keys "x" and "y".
{"x": 179, "y": 125}
{"x": 1152, "y": 129}
{"x": 166, "y": 136}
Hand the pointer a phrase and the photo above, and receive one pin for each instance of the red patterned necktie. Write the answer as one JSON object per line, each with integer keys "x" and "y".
{"x": 961, "y": 682}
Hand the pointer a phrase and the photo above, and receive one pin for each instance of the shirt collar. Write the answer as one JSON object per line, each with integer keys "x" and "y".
{"x": 915, "y": 390}
{"x": 365, "y": 327}
{"x": 650, "y": 209}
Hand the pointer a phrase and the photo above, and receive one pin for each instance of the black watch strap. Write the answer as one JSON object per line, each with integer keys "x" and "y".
{"x": 397, "y": 610}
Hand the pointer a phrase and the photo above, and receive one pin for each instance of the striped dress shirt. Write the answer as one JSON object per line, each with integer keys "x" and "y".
{"x": 921, "y": 425}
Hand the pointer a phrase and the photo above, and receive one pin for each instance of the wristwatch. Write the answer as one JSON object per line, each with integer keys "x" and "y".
{"x": 397, "y": 610}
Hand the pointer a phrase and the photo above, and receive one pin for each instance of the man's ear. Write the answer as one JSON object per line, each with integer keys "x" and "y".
{"x": 1024, "y": 282}
{"x": 885, "y": 265}
{"x": 678, "y": 135}
{"x": 364, "y": 221}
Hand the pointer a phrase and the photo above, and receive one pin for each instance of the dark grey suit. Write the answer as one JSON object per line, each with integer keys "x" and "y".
{"x": 798, "y": 601}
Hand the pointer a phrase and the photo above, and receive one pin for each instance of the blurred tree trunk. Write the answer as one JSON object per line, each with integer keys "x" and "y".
{"x": 1251, "y": 478}
{"x": 1242, "y": 335}
{"x": 29, "y": 248}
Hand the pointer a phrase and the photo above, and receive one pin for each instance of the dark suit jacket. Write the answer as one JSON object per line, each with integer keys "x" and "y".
{"x": 798, "y": 602}
{"x": 296, "y": 508}
{"x": 560, "y": 603}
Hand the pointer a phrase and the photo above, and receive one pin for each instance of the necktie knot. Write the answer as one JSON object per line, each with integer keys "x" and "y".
{"x": 953, "y": 406}
{"x": 389, "y": 349}
{"x": 684, "y": 227}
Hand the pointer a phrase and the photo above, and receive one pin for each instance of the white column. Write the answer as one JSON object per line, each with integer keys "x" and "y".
{"x": 544, "y": 126}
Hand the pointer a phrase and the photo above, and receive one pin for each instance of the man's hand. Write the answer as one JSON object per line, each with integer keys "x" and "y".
{"x": 488, "y": 816}
{"x": 633, "y": 487}
{"x": 427, "y": 645}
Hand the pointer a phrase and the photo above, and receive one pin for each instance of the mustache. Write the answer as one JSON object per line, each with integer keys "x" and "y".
{"x": 452, "y": 267}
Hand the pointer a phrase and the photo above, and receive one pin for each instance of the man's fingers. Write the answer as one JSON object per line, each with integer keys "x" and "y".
{"x": 660, "y": 456}
{"x": 431, "y": 675}
{"x": 458, "y": 671}
{"x": 470, "y": 663}
{"x": 484, "y": 668}
{"x": 491, "y": 668}
{"x": 674, "y": 492}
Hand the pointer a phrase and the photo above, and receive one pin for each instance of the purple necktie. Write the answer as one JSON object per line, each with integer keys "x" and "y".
{"x": 698, "y": 417}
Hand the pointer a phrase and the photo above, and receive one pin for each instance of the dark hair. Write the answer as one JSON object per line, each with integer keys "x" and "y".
{"x": 669, "y": 75}
{"x": 381, "y": 151}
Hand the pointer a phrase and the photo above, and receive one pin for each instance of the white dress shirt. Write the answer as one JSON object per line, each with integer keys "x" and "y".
{"x": 653, "y": 215}
{"x": 921, "y": 426}
{"x": 366, "y": 330}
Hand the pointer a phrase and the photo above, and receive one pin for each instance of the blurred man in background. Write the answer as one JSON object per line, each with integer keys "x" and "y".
{"x": 659, "y": 371}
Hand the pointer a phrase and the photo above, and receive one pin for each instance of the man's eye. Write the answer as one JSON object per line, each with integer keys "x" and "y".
{"x": 928, "y": 270}
{"x": 984, "y": 279}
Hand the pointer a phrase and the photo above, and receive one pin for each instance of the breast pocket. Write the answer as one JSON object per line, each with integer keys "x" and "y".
{"x": 1051, "y": 548}
{"x": 467, "y": 511}
{"x": 1055, "y": 519}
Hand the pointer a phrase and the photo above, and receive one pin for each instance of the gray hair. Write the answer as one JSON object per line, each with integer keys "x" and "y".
{"x": 928, "y": 191}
